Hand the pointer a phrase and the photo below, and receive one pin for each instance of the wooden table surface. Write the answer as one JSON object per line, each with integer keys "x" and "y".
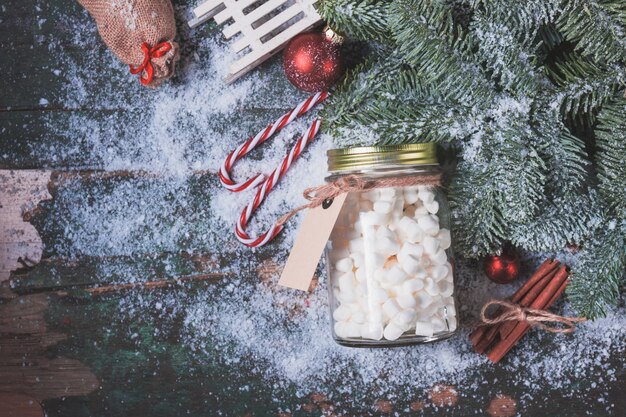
{"x": 64, "y": 345}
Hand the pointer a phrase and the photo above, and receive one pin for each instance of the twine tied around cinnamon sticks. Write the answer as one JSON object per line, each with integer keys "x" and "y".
{"x": 501, "y": 332}
{"x": 324, "y": 194}
{"x": 533, "y": 316}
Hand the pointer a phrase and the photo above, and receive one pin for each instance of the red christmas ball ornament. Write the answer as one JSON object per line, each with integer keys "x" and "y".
{"x": 312, "y": 61}
{"x": 502, "y": 269}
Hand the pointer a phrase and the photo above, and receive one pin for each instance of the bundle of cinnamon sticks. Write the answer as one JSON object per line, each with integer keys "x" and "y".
{"x": 539, "y": 292}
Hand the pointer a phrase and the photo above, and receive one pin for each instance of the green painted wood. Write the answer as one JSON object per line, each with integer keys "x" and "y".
{"x": 144, "y": 370}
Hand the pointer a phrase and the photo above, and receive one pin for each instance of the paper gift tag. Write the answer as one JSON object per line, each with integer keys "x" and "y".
{"x": 310, "y": 241}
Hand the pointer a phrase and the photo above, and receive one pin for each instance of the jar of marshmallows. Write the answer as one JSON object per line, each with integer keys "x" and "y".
{"x": 389, "y": 258}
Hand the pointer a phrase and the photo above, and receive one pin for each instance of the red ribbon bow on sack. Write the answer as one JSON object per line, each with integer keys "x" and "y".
{"x": 149, "y": 53}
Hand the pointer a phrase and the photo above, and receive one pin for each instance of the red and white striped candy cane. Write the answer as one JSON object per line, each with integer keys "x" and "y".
{"x": 268, "y": 183}
{"x": 259, "y": 139}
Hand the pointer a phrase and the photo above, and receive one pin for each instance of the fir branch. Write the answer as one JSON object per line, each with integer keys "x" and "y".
{"x": 584, "y": 86}
{"x": 599, "y": 273}
{"x": 567, "y": 219}
{"x": 429, "y": 41}
{"x": 478, "y": 227}
{"x": 598, "y": 27}
{"x": 565, "y": 155}
{"x": 610, "y": 160}
{"x": 400, "y": 121}
{"x": 359, "y": 19}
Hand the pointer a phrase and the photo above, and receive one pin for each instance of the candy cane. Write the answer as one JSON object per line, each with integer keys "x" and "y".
{"x": 259, "y": 139}
{"x": 266, "y": 188}
{"x": 268, "y": 183}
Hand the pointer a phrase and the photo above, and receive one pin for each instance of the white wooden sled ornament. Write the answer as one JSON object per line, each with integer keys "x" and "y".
{"x": 265, "y": 27}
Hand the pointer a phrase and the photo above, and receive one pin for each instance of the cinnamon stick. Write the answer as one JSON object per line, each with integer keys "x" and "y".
{"x": 482, "y": 337}
{"x": 528, "y": 299}
{"x": 556, "y": 295}
{"x": 503, "y": 329}
{"x": 545, "y": 268}
{"x": 549, "y": 294}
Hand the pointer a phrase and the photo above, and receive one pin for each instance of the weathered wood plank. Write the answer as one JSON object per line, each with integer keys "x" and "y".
{"x": 25, "y": 368}
{"x": 20, "y": 244}
{"x": 19, "y": 405}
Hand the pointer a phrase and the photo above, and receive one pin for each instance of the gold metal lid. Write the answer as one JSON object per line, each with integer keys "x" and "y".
{"x": 368, "y": 157}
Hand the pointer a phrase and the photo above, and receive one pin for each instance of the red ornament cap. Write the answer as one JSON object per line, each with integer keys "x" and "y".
{"x": 312, "y": 61}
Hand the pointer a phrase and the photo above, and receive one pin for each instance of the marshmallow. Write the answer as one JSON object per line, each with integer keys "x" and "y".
{"x": 429, "y": 224}
{"x": 406, "y": 318}
{"x": 410, "y": 196}
{"x": 432, "y": 207}
{"x": 358, "y": 259}
{"x": 410, "y": 249}
{"x": 431, "y": 287}
{"x": 358, "y": 227}
{"x": 405, "y": 301}
{"x": 387, "y": 246}
{"x": 372, "y": 331}
{"x": 379, "y": 274}
{"x": 385, "y": 232}
{"x": 358, "y": 317}
{"x": 412, "y": 285}
{"x": 439, "y": 272}
{"x": 413, "y": 266}
{"x": 420, "y": 211}
{"x": 375, "y": 260}
{"x": 392, "y": 331}
{"x": 379, "y": 295}
{"x": 346, "y": 282}
{"x": 438, "y": 324}
{"x": 391, "y": 308}
{"x": 439, "y": 258}
{"x": 360, "y": 275}
{"x": 340, "y": 329}
{"x": 444, "y": 238}
{"x": 342, "y": 313}
{"x": 449, "y": 308}
{"x": 422, "y": 299}
{"x": 445, "y": 288}
{"x": 424, "y": 329}
{"x": 426, "y": 195}
{"x": 376, "y": 315}
{"x": 390, "y": 272}
{"x": 413, "y": 232}
{"x": 387, "y": 194}
{"x": 356, "y": 245}
{"x": 371, "y": 195}
{"x": 406, "y": 227}
{"x": 373, "y": 218}
{"x": 344, "y": 265}
{"x": 395, "y": 275}
{"x": 352, "y": 329}
{"x": 430, "y": 244}
{"x": 383, "y": 207}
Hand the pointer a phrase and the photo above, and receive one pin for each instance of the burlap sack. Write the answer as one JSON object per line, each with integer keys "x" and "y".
{"x": 140, "y": 33}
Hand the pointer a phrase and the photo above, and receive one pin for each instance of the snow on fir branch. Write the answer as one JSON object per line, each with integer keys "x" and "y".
{"x": 529, "y": 95}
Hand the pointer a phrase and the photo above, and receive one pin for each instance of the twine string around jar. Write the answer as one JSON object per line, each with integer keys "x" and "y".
{"x": 353, "y": 183}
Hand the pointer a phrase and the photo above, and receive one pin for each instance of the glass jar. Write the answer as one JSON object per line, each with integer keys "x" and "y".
{"x": 389, "y": 258}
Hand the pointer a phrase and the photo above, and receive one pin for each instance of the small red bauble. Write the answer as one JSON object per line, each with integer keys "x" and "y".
{"x": 312, "y": 61}
{"x": 504, "y": 268}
